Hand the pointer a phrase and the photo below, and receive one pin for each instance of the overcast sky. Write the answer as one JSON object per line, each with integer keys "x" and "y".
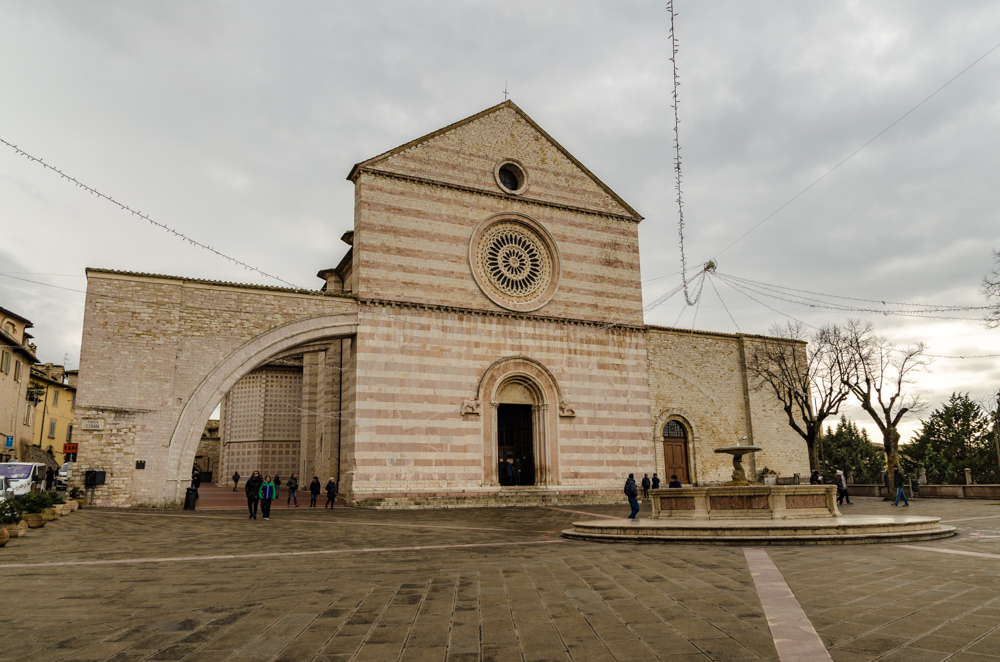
{"x": 237, "y": 123}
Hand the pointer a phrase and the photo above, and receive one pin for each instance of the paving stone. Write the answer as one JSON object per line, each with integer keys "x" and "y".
{"x": 545, "y": 600}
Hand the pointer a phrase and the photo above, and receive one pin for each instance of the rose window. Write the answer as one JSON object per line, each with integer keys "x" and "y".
{"x": 514, "y": 261}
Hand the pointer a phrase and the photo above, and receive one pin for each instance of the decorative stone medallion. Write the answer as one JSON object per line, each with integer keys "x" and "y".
{"x": 515, "y": 262}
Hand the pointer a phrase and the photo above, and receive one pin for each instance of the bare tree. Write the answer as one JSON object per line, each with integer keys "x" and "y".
{"x": 879, "y": 375}
{"x": 991, "y": 288}
{"x": 805, "y": 378}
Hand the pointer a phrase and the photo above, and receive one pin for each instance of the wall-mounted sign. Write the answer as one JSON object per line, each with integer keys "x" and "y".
{"x": 92, "y": 424}
{"x": 69, "y": 448}
{"x": 9, "y": 442}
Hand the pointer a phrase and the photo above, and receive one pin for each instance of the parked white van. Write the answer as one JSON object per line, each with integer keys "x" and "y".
{"x": 24, "y": 477}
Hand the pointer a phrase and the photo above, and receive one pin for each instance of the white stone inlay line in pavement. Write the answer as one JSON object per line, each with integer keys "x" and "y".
{"x": 942, "y": 550}
{"x": 225, "y": 557}
{"x": 794, "y": 636}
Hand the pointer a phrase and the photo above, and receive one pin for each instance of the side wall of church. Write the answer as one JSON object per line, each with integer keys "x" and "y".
{"x": 411, "y": 243}
{"x": 415, "y": 367}
{"x": 701, "y": 379}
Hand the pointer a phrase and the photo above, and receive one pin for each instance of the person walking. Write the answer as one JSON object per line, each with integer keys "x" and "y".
{"x": 313, "y": 491}
{"x": 252, "y": 488}
{"x": 277, "y": 485}
{"x": 843, "y": 495}
{"x": 293, "y": 488}
{"x": 196, "y": 482}
{"x": 632, "y": 492}
{"x": 900, "y": 479}
{"x": 645, "y": 487}
{"x": 331, "y": 493}
{"x": 656, "y": 482}
{"x": 674, "y": 482}
{"x": 268, "y": 490}
{"x": 236, "y": 480}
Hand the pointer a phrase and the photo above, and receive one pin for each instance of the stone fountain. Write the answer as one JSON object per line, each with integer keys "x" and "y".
{"x": 743, "y": 512}
{"x": 737, "y": 451}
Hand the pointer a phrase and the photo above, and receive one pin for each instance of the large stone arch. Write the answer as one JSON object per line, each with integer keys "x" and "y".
{"x": 545, "y": 389}
{"x": 257, "y": 351}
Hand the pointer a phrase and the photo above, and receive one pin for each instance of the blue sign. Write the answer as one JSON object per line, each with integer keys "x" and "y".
{"x": 10, "y": 442}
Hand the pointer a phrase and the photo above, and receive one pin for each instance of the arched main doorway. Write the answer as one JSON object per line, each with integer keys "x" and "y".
{"x": 523, "y": 399}
{"x": 675, "y": 451}
{"x": 516, "y": 407}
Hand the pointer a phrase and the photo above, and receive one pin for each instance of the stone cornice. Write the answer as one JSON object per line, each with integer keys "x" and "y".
{"x": 493, "y": 194}
{"x": 481, "y": 312}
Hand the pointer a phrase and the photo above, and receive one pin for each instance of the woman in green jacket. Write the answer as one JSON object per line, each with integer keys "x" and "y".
{"x": 267, "y": 493}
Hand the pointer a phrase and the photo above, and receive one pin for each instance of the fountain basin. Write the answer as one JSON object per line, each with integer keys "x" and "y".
{"x": 745, "y": 502}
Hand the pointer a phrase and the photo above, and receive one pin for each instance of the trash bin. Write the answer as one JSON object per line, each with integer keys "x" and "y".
{"x": 190, "y": 498}
{"x": 914, "y": 488}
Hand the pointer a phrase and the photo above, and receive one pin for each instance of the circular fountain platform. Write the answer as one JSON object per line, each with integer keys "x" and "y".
{"x": 800, "y": 531}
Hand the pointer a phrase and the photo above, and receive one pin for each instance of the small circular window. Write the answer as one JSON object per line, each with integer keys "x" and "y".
{"x": 511, "y": 177}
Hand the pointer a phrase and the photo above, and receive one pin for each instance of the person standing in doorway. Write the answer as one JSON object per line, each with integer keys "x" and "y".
{"x": 632, "y": 492}
{"x": 508, "y": 473}
{"x": 674, "y": 482}
{"x": 268, "y": 490}
{"x": 277, "y": 485}
{"x": 196, "y": 482}
{"x": 900, "y": 479}
{"x": 656, "y": 482}
{"x": 293, "y": 489}
{"x": 252, "y": 488}
{"x": 518, "y": 468}
{"x": 313, "y": 491}
{"x": 236, "y": 480}
{"x": 331, "y": 493}
{"x": 645, "y": 487}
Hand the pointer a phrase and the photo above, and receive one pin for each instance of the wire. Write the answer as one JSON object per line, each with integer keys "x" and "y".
{"x": 711, "y": 282}
{"x": 855, "y": 152}
{"x": 145, "y": 217}
{"x": 943, "y": 307}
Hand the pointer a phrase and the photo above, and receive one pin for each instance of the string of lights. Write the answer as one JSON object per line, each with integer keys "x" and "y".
{"x": 143, "y": 216}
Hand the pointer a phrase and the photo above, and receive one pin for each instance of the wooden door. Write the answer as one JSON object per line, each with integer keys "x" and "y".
{"x": 675, "y": 455}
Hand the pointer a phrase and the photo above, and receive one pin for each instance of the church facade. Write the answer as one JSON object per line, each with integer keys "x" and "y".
{"x": 488, "y": 309}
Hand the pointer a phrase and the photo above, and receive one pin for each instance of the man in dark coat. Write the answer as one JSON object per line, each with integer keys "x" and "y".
{"x": 50, "y": 477}
{"x": 196, "y": 482}
{"x": 236, "y": 480}
{"x": 252, "y": 488}
{"x": 645, "y": 487}
{"x": 518, "y": 468}
{"x": 632, "y": 492}
{"x": 656, "y": 482}
{"x": 508, "y": 472}
{"x": 900, "y": 479}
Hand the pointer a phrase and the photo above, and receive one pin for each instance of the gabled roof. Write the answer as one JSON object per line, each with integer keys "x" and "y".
{"x": 358, "y": 167}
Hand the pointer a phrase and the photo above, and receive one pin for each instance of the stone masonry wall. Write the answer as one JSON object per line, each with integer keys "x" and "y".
{"x": 416, "y": 367}
{"x": 701, "y": 378}
{"x": 148, "y": 343}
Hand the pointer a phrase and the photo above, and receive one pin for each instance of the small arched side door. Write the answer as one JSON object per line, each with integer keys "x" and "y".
{"x": 675, "y": 454}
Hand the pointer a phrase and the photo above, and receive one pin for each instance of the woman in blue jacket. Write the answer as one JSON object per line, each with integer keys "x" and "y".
{"x": 267, "y": 493}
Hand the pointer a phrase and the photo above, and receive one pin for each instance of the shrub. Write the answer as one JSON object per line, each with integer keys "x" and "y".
{"x": 10, "y": 511}
{"x": 55, "y": 497}
{"x": 76, "y": 493}
{"x": 34, "y": 503}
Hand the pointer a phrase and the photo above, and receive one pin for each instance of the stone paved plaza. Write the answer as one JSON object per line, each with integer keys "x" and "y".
{"x": 475, "y": 584}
